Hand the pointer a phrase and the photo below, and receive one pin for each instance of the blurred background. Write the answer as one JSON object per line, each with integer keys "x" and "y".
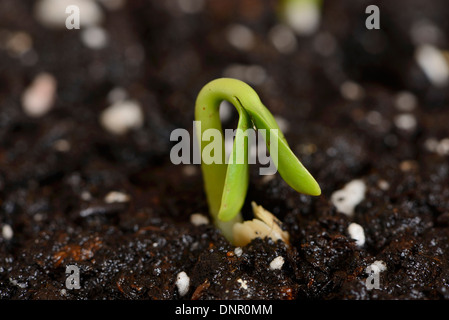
{"x": 87, "y": 111}
{"x": 113, "y": 90}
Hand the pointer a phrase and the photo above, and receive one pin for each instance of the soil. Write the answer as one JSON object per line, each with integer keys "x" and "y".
{"x": 54, "y": 199}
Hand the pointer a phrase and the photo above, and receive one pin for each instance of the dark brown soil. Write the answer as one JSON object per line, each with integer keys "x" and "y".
{"x": 135, "y": 250}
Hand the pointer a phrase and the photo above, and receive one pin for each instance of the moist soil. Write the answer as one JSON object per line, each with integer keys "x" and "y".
{"x": 54, "y": 199}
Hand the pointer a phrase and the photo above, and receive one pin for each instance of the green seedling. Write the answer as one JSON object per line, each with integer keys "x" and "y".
{"x": 226, "y": 182}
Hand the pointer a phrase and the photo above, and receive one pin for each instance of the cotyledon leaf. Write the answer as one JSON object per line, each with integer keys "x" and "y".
{"x": 226, "y": 184}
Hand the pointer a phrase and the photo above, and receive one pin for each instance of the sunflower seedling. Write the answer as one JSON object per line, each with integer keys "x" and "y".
{"x": 226, "y": 180}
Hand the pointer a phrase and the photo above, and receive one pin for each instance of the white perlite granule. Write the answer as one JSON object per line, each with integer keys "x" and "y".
{"x": 116, "y": 196}
{"x": 351, "y": 90}
{"x": 39, "y": 97}
{"x": 302, "y": 16}
{"x": 94, "y": 37}
{"x": 405, "y": 121}
{"x": 277, "y": 263}
{"x": 238, "y": 251}
{"x": 443, "y": 147}
{"x": 85, "y": 196}
{"x": 357, "y": 233}
{"x": 7, "y": 232}
{"x": 182, "y": 283}
{"x": 383, "y": 185}
{"x": 243, "y": 284}
{"x": 346, "y": 199}
{"x": 378, "y": 266}
{"x": 241, "y": 37}
{"x": 62, "y": 145}
{"x": 405, "y": 101}
{"x": 17, "y": 284}
{"x": 283, "y": 38}
{"x": 198, "y": 219}
{"x": 440, "y": 147}
{"x": 122, "y": 116}
{"x": 433, "y": 64}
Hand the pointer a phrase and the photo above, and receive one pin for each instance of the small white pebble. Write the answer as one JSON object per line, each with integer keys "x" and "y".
{"x": 122, "y": 116}
{"x": 7, "y": 232}
{"x": 182, "y": 283}
{"x": 383, "y": 185}
{"x": 408, "y": 165}
{"x": 431, "y": 144}
{"x": 86, "y": 196}
{"x": 238, "y": 251}
{"x": 241, "y": 37}
{"x": 346, "y": 199}
{"x": 94, "y": 37}
{"x": 17, "y": 284}
{"x": 405, "y": 121}
{"x": 115, "y": 196}
{"x": 283, "y": 38}
{"x": 62, "y": 145}
{"x": 39, "y": 97}
{"x": 277, "y": 263}
{"x": 440, "y": 147}
{"x": 52, "y": 13}
{"x": 357, "y": 233}
{"x": 243, "y": 284}
{"x": 378, "y": 266}
{"x": 38, "y": 217}
{"x": 198, "y": 219}
{"x": 352, "y": 91}
{"x": 405, "y": 101}
{"x": 255, "y": 74}
{"x": 443, "y": 147}
{"x": 433, "y": 63}
{"x": 302, "y": 16}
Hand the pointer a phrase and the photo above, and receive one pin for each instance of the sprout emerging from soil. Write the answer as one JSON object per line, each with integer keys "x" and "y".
{"x": 225, "y": 183}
